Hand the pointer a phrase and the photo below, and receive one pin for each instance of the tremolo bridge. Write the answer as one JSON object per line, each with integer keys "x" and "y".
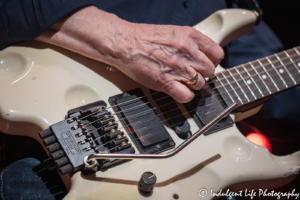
{"x": 94, "y": 129}
{"x": 87, "y": 129}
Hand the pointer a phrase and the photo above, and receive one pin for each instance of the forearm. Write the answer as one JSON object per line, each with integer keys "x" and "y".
{"x": 160, "y": 57}
{"x": 90, "y": 32}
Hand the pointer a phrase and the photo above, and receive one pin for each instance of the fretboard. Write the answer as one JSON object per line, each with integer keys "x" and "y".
{"x": 258, "y": 79}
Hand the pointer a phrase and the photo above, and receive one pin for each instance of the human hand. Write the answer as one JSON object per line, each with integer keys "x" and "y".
{"x": 160, "y": 57}
{"x": 164, "y": 57}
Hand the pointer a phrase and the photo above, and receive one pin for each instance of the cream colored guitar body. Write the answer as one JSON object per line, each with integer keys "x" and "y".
{"x": 39, "y": 84}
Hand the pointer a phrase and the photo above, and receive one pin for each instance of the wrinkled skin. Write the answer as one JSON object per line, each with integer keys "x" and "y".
{"x": 160, "y": 57}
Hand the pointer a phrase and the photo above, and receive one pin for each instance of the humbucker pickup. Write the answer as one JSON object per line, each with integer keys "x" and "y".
{"x": 141, "y": 122}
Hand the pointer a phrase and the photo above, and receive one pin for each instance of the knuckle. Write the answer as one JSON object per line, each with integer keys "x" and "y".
{"x": 187, "y": 30}
{"x": 187, "y": 97}
{"x": 181, "y": 44}
{"x": 201, "y": 82}
{"x": 164, "y": 82}
{"x": 219, "y": 53}
{"x": 211, "y": 70}
{"x": 206, "y": 67}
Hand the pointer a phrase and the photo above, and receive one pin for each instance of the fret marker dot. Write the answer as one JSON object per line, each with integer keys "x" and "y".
{"x": 298, "y": 64}
{"x": 249, "y": 82}
{"x": 281, "y": 71}
{"x": 264, "y": 76}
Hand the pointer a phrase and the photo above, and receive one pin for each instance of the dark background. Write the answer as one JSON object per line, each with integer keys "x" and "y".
{"x": 283, "y": 17}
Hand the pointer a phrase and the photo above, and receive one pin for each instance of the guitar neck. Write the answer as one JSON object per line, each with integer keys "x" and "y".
{"x": 261, "y": 78}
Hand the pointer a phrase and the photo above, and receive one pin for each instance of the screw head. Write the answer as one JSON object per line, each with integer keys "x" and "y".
{"x": 119, "y": 136}
{"x": 112, "y": 130}
{"x": 230, "y": 121}
{"x": 175, "y": 196}
{"x": 112, "y": 99}
{"x": 126, "y": 95}
{"x": 123, "y": 144}
{"x": 158, "y": 146}
{"x": 171, "y": 143}
{"x": 218, "y": 124}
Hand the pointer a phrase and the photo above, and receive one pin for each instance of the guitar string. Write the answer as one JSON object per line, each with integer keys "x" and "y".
{"x": 146, "y": 136}
{"x": 151, "y": 110}
{"x": 243, "y": 86}
{"x": 138, "y": 122}
{"x": 130, "y": 117}
{"x": 240, "y": 89}
{"x": 241, "y": 94}
{"x": 277, "y": 61}
{"x": 166, "y": 119}
{"x": 147, "y": 121}
{"x": 146, "y": 127}
{"x": 171, "y": 134}
{"x": 138, "y": 138}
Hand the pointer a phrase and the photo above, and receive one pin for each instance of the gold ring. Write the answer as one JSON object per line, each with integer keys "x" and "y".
{"x": 193, "y": 80}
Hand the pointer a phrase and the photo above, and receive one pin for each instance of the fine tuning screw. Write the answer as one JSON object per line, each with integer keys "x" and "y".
{"x": 79, "y": 134}
{"x": 106, "y": 116}
{"x": 119, "y": 137}
{"x": 110, "y": 123}
{"x": 88, "y": 148}
{"x": 82, "y": 142}
{"x": 112, "y": 130}
{"x": 70, "y": 120}
{"x": 123, "y": 144}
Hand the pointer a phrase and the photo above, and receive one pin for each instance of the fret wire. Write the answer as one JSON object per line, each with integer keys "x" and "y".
{"x": 233, "y": 89}
{"x": 253, "y": 80}
{"x": 268, "y": 74}
{"x": 239, "y": 85}
{"x": 257, "y": 88}
{"x": 270, "y": 55}
{"x": 292, "y": 61}
{"x": 225, "y": 89}
{"x": 219, "y": 78}
{"x": 260, "y": 78}
{"x": 226, "y": 98}
{"x": 297, "y": 51}
{"x": 245, "y": 83}
{"x": 277, "y": 72}
{"x": 286, "y": 69}
{"x": 251, "y": 90}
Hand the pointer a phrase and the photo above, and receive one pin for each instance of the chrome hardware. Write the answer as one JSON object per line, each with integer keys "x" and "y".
{"x": 92, "y": 157}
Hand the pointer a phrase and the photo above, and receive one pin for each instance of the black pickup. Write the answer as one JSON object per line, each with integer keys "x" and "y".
{"x": 141, "y": 122}
{"x": 172, "y": 113}
{"x": 205, "y": 106}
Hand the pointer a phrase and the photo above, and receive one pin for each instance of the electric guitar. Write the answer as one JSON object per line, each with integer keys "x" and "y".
{"x": 108, "y": 113}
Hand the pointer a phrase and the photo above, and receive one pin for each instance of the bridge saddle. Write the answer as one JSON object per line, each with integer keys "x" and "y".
{"x": 86, "y": 130}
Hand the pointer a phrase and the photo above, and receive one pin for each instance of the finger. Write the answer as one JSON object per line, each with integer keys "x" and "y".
{"x": 199, "y": 83}
{"x": 203, "y": 64}
{"x": 211, "y": 49}
{"x": 179, "y": 92}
